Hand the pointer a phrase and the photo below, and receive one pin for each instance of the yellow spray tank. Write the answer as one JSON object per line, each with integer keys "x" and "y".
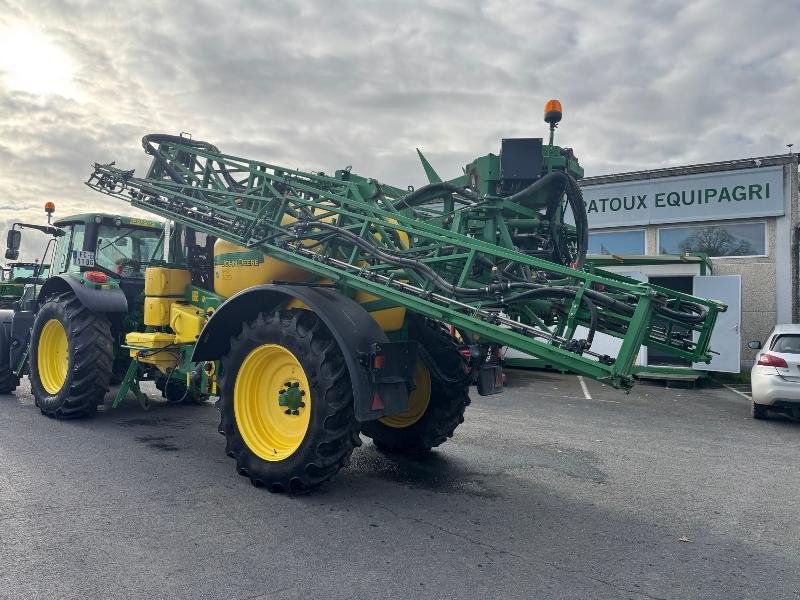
{"x": 237, "y": 268}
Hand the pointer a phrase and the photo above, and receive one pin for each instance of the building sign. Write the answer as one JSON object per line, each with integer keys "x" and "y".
{"x": 687, "y": 198}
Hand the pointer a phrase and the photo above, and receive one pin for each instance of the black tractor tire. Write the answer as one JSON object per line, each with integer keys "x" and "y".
{"x": 8, "y": 381}
{"x": 449, "y": 396}
{"x": 758, "y": 411}
{"x": 332, "y": 431}
{"x": 89, "y": 359}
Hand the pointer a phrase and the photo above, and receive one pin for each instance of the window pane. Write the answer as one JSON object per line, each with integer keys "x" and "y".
{"x": 787, "y": 344}
{"x": 126, "y": 251}
{"x": 739, "y": 239}
{"x": 616, "y": 242}
{"x": 78, "y": 234}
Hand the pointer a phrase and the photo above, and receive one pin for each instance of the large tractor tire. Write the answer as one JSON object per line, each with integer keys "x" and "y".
{"x": 8, "y": 381}
{"x": 70, "y": 358}
{"x": 436, "y": 405}
{"x": 287, "y": 402}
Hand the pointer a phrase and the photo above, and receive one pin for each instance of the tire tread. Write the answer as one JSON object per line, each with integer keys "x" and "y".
{"x": 449, "y": 395}
{"x": 325, "y": 368}
{"x": 93, "y": 355}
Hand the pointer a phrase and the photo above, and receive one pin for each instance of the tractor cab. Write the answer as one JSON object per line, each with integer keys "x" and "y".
{"x": 16, "y": 276}
{"x": 25, "y": 272}
{"x": 119, "y": 247}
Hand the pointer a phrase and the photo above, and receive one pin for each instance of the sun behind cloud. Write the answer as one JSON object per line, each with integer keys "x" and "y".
{"x": 31, "y": 62}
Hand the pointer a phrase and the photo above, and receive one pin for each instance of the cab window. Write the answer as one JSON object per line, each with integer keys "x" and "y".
{"x": 127, "y": 250}
{"x": 76, "y": 244}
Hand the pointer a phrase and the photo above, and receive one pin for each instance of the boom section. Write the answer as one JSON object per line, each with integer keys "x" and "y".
{"x": 449, "y": 254}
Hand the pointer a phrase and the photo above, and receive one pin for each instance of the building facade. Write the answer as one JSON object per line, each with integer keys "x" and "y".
{"x": 743, "y": 214}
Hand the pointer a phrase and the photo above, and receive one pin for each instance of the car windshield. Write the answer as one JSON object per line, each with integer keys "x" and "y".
{"x": 127, "y": 251}
{"x": 787, "y": 344}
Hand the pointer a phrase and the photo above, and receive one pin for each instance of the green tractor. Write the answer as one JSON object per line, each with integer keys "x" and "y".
{"x": 65, "y": 330}
{"x": 15, "y": 276}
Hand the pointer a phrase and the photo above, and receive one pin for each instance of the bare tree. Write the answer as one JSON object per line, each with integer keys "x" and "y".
{"x": 716, "y": 241}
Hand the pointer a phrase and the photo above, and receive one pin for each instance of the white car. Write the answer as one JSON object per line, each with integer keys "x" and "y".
{"x": 775, "y": 377}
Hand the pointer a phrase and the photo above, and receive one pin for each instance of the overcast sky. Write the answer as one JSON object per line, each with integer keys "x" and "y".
{"x": 329, "y": 83}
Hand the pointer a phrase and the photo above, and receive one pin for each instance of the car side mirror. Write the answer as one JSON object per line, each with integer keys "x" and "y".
{"x": 12, "y": 254}
{"x": 754, "y": 345}
{"x": 13, "y": 239}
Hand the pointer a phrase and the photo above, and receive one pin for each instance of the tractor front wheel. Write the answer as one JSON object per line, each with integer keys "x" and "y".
{"x": 287, "y": 403}
{"x": 70, "y": 358}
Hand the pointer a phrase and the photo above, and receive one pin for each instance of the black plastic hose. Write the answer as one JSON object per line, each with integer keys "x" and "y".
{"x": 432, "y": 191}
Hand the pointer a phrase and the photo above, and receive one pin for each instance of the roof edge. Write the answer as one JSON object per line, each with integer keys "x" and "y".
{"x": 728, "y": 165}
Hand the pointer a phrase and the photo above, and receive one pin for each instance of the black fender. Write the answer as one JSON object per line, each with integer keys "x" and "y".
{"x": 353, "y": 328}
{"x": 111, "y": 300}
{"x": 6, "y": 316}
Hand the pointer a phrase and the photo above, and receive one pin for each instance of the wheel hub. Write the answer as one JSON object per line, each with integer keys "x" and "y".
{"x": 292, "y": 398}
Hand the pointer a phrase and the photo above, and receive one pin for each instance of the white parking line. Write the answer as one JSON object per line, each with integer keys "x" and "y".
{"x": 585, "y": 389}
{"x": 735, "y": 391}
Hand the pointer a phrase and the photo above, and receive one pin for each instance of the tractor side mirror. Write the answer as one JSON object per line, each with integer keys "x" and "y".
{"x": 12, "y": 254}
{"x": 754, "y": 345}
{"x": 14, "y": 239}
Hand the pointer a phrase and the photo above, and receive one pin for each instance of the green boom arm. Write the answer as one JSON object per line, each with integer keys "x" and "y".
{"x": 444, "y": 251}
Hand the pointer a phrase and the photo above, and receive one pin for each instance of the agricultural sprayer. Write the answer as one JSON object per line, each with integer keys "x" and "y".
{"x": 322, "y": 306}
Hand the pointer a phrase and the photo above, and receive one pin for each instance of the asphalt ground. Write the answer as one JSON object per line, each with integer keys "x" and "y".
{"x": 547, "y": 491}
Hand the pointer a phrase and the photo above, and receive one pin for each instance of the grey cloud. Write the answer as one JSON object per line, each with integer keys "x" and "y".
{"x": 323, "y": 84}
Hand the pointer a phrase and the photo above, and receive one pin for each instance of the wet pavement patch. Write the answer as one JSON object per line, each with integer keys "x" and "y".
{"x": 572, "y": 462}
{"x": 158, "y": 442}
{"x": 432, "y": 471}
{"x": 152, "y": 422}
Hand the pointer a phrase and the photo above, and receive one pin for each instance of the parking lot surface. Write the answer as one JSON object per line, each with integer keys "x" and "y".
{"x": 558, "y": 488}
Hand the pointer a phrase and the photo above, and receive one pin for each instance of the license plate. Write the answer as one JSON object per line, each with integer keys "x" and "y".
{"x": 82, "y": 258}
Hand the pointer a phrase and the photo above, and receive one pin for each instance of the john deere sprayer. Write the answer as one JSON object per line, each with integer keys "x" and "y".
{"x": 319, "y": 307}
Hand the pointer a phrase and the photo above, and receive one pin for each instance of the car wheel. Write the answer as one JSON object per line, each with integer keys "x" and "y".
{"x": 758, "y": 411}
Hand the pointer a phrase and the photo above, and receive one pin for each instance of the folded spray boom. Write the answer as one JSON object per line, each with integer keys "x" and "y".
{"x": 497, "y": 252}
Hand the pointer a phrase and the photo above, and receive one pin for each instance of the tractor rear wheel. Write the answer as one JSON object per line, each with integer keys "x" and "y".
{"x": 286, "y": 402}
{"x": 436, "y": 405}
{"x": 8, "y": 381}
{"x": 70, "y": 359}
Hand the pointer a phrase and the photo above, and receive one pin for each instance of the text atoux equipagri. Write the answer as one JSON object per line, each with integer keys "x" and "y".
{"x": 733, "y": 195}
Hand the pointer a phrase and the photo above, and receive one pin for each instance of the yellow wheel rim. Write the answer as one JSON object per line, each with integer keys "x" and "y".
{"x": 263, "y": 422}
{"x": 53, "y": 356}
{"x": 418, "y": 400}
